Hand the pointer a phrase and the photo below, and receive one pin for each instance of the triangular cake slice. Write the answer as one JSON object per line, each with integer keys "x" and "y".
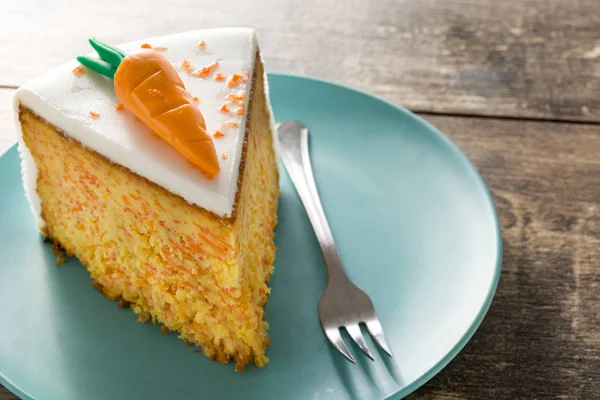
{"x": 186, "y": 250}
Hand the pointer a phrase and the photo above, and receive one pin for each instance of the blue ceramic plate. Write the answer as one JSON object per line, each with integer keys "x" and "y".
{"x": 416, "y": 229}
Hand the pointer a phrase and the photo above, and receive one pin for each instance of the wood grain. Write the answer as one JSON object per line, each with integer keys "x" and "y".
{"x": 6, "y": 395}
{"x": 541, "y": 337}
{"x": 524, "y": 58}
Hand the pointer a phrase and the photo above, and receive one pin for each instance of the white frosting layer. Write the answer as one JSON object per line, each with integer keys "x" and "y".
{"x": 65, "y": 99}
{"x": 29, "y": 175}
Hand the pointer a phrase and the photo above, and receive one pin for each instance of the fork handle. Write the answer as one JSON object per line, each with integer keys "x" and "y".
{"x": 293, "y": 149}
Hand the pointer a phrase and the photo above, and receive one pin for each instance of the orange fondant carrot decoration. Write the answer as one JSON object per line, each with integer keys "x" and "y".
{"x": 147, "y": 85}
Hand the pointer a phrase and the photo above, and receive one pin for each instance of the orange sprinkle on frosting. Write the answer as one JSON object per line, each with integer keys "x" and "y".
{"x": 146, "y": 46}
{"x": 224, "y": 108}
{"x": 204, "y": 72}
{"x": 219, "y": 77}
{"x": 78, "y": 70}
{"x": 94, "y": 115}
{"x": 155, "y": 92}
{"x": 234, "y": 80}
{"x": 240, "y": 111}
{"x": 230, "y": 123}
{"x": 202, "y": 44}
{"x": 185, "y": 64}
{"x": 120, "y": 107}
{"x": 160, "y": 48}
{"x": 224, "y": 156}
{"x": 237, "y": 96}
{"x": 196, "y": 99}
{"x": 218, "y": 134}
{"x": 247, "y": 74}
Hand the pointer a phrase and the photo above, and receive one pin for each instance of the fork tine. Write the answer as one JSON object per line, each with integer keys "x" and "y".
{"x": 334, "y": 336}
{"x": 356, "y": 335}
{"x": 376, "y": 330}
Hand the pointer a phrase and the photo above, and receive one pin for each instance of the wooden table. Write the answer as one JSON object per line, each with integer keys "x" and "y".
{"x": 516, "y": 84}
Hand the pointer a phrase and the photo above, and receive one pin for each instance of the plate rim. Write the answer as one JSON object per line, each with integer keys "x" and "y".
{"x": 466, "y": 337}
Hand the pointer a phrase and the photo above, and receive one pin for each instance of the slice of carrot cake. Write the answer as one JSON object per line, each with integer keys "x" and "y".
{"x": 153, "y": 163}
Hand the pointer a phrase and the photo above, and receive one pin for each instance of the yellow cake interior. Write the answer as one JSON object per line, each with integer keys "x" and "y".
{"x": 174, "y": 263}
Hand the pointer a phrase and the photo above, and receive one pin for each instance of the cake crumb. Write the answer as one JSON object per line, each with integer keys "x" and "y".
{"x": 188, "y": 344}
{"x": 78, "y": 70}
{"x": 94, "y": 114}
{"x": 155, "y": 92}
{"x": 164, "y": 329}
{"x": 97, "y": 286}
{"x": 234, "y": 80}
{"x": 240, "y": 364}
{"x": 218, "y": 134}
{"x": 122, "y": 303}
{"x": 143, "y": 317}
{"x": 196, "y": 99}
{"x": 146, "y": 46}
{"x": 202, "y": 44}
{"x": 59, "y": 253}
{"x": 247, "y": 74}
{"x": 120, "y": 107}
{"x": 160, "y": 48}
{"x": 219, "y": 77}
{"x": 224, "y": 156}
{"x": 204, "y": 72}
{"x": 224, "y": 108}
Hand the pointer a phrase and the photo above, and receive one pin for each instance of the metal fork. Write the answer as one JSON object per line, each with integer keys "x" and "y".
{"x": 343, "y": 305}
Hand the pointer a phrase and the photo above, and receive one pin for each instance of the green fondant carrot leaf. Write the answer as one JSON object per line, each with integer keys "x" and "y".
{"x": 99, "y": 66}
{"x": 108, "y": 53}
